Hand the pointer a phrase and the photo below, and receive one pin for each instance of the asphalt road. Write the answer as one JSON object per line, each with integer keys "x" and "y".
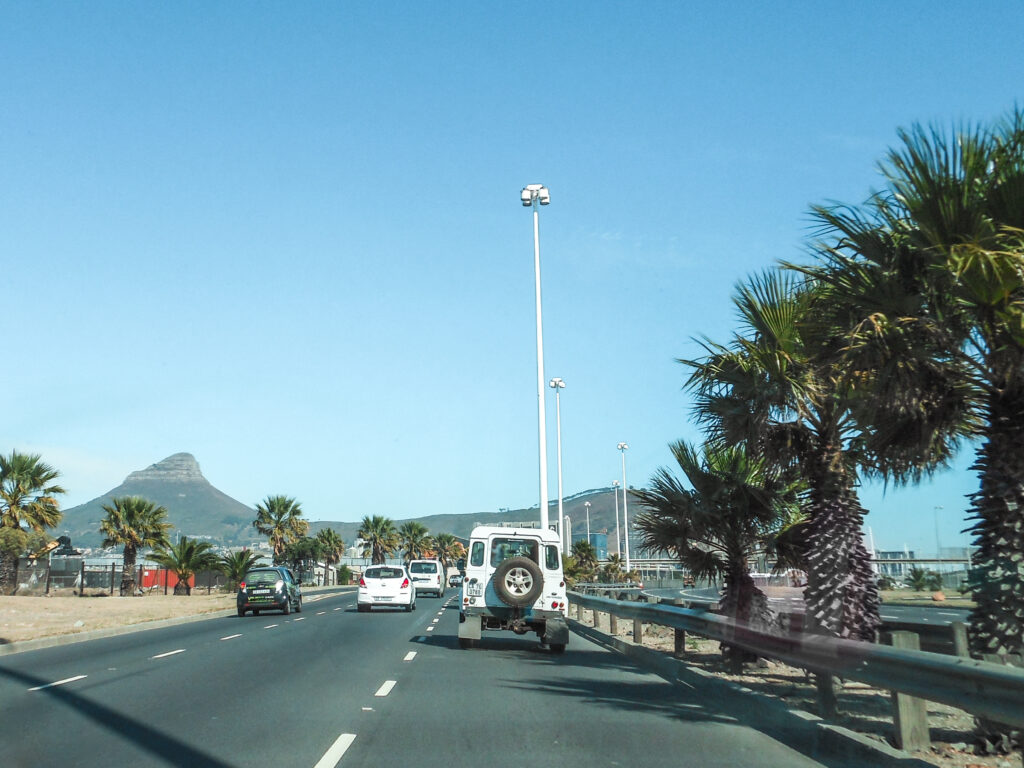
{"x": 332, "y": 687}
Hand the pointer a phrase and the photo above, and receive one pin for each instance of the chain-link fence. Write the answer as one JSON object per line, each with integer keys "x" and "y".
{"x": 75, "y": 575}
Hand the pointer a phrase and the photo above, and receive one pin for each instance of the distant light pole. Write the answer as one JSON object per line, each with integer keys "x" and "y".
{"x": 533, "y": 196}
{"x": 625, "y": 515}
{"x": 586, "y": 506}
{"x": 558, "y": 385}
{"x": 938, "y": 546}
{"x": 618, "y": 535}
{"x": 567, "y": 529}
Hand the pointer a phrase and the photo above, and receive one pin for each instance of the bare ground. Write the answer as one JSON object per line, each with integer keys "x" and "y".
{"x": 30, "y": 618}
{"x": 863, "y": 709}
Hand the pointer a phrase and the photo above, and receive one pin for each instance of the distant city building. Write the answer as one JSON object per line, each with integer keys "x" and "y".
{"x": 598, "y": 541}
{"x": 894, "y": 569}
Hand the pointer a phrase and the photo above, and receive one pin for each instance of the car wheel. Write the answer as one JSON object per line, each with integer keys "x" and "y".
{"x": 558, "y": 647}
{"x": 241, "y": 611}
{"x": 298, "y": 605}
{"x": 255, "y": 612}
{"x": 286, "y": 609}
{"x": 409, "y": 608}
{"x": 518, "y": 582}
{"x": 363, "y": 608}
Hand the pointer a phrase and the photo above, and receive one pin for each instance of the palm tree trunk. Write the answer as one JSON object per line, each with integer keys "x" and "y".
{"x": 8, "y": 573}
{"x": 128, "y": 571}
{"x": 842, "y": 596}
{"x": 744, "y": 602}
{"x": 996, "y": 576}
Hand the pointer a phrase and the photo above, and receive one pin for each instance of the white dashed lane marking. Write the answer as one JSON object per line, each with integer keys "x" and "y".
{"x": 231, "y": 637}
{"x": 385, "y": 689}
{"x": 301, "y": 618}
{"x": 270, "y": 626}
{"x": 169, "y": 653}
{"x": 430, "y": 629}
{"x": 333, "y": 755}
{"x": 435, "y": 621}
{"x": 410, "y": 656}
{"x": 320, "y": 613}
{"x": 59, "y": 682}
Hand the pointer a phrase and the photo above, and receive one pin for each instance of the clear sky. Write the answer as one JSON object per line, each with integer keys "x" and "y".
{"x": 287, "y": 238}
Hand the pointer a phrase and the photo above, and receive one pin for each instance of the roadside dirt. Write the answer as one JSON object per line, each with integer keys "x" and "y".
{"x": 863, "y": 709}
{"x": 29, "y": 618}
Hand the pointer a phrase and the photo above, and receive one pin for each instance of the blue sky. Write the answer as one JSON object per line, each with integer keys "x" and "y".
{"x": 287, "y": 239}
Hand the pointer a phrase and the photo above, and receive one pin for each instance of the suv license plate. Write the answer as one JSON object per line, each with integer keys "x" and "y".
{"x": 475, "y": 590}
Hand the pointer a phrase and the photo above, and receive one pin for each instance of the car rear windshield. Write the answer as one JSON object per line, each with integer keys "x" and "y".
{"x": 503, "y": 549}
{"x": 383, "y": 573}
{"x": 423, "y": 568}
{"x": 262, "y": 577}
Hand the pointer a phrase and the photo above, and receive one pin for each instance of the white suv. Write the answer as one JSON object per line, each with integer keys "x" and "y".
{"x": 427, "y": 576}
{"x": 514, "y": 581}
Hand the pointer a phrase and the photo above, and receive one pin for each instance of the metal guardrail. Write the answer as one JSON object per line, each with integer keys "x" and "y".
{"x": 981, "y": 688}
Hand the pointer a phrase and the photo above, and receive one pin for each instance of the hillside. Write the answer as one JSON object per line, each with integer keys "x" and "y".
{"x": 602, "y": 517}
{"x": 194, "y": 506}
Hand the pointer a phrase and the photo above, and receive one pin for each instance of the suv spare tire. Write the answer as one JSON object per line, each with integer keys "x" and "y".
{"x": 518, "y": 582}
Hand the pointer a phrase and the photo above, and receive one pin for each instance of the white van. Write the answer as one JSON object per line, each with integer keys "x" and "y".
{"x": 428, "y": 576}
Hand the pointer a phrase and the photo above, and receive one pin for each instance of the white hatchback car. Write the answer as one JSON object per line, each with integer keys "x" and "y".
{"x": 427, "y": 576}
{"x": 386, "y": 585}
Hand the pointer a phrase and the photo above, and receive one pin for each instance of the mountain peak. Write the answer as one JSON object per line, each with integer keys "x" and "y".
{"x": 181, "y": 468}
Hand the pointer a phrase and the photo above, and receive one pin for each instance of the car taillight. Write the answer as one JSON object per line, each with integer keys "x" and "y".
{"x": 362, "y": 582}
{"x": 405, "y": 584}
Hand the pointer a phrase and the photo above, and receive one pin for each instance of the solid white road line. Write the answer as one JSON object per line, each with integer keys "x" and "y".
{"x": 169, "y": 653}
{"x": 231, "y": 637}
{"x": 333, "y": 755}
{"x": 947, "y": 613}
{"x": 59, "y": 682}
{"x": 410, "y": 656}
{"x": 385, "y": 689}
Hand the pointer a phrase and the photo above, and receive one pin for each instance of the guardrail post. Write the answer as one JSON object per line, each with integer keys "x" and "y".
{"x": 574, "y": 611}
{"x": 910, "y": 715}
{"x": 960, "y": 639}
{"x": 827, "y": 703}
{"x": 638, "y": 632}
{"x": 613, "y": 625}
{"x": 680, "y": 647}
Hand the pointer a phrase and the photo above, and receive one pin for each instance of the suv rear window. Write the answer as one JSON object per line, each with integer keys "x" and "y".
{"x": 476, "y": 559}
{"x": 423, "y": 568}
{"x": 383, "y": 573}
{"x": 503, "y": 549}
{"x": 551, "y": 553}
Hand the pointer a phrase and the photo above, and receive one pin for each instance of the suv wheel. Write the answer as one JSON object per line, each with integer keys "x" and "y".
{"x": 518, "y": 582}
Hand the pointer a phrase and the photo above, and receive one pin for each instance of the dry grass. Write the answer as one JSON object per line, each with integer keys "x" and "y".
{"x": 29, "y": 618}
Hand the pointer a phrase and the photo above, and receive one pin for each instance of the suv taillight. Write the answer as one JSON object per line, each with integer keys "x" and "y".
{"x": 362, "y": 582}
{"x": 405, "y": 584}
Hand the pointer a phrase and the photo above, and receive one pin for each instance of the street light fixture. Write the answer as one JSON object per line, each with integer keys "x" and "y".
{"x": 534, "y": 196}
{"x": 625, "y": 515}
{"x": 558, "y": 385}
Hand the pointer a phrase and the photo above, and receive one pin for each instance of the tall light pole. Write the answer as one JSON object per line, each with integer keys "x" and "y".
{"x": 938, "y": 546}
{"x": 558, "y": 385}
{"x": 567, "y": 534}
{"x": 586, "y": 506}
{"x": 625, "y": 515}
{"x": 618, "y": 536}
{"x": 534, "y": 196}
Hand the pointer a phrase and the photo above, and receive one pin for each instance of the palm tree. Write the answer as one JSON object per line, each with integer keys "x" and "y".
{"x": 917, "y": 578}
{"x": 414, "y": 540}
{"x": 28, "y": 493}
{"x": 280, "y": 519}
{"x": 135, "y": 523}
{"x": 585, "y": 555}
{"x": 331, "y": 548}
{"x": 718, "y": 526}
{"x": 613, "y": 569}
{"x": 380, "y": 539}
{"x": 185, "y": 559}
{"x": 935, "y": 264}
{"x": 783, "y": 390}
{"x": 445, "y": 547}
{"x": 235, "y": 565}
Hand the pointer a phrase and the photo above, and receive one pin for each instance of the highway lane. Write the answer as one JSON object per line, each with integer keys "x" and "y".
{"x": 335, "y": 687}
